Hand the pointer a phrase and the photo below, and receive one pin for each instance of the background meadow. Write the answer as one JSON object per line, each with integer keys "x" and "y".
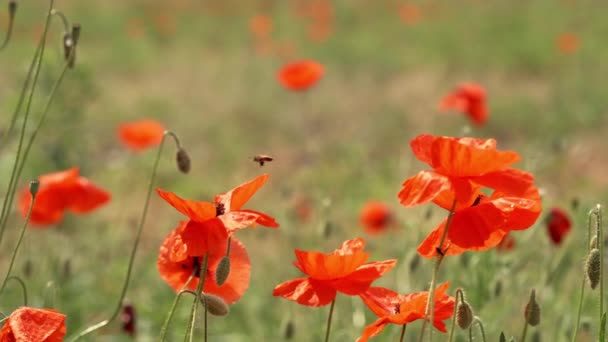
{"x": 207, "y": 70}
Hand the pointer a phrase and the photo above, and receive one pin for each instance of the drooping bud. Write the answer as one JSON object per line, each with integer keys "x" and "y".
{"x": 414, "y": 262}
{"x": 575, "y": 203}
{"x": 592, "y": 267}
{"x": 76, "y": 33}
{"x": 222, "y": 271}
{"x": 128, "y": 317}
{"x": 27, "y": 268}
{"x": 183, "y": 160}
{"x": 532, "y": 311}
{"x": 464, "y": 315}
{"x": 12, "y": 9}
{"x": 502, "y": 337}
{"x": 289, "y": 330}
{"x": 68, "y": 47}
{"x": 34, "y": 187}
{"x": 215, "y": 304}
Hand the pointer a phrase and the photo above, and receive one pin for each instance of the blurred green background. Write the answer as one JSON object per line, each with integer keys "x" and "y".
{"x": 207, "y": 70}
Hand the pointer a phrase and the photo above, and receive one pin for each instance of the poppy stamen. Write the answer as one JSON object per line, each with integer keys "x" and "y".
{"x": 220, "y": 209}
{"x": 477, "y": 200}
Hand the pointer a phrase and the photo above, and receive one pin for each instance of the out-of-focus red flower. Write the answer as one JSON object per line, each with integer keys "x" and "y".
{"x": 301, "y": 75}
{"x": 225, "y": 212}
{"x": 33, "y": 325}
{"x": 506, "y": 244}
{"x": 568, "y": 43}
{"x": 344, "y": 270}
{"x": 399, "y": 309}
{"x": 410, "y": 14}
{"x": 142, "y": 134}
{"x": 376, "y": 217}
{"x": 558, "y": 225}
{"x": 128, "y": 317}
{"x": 461, "y": 168}
{"x": 303, "y": 209}
{"x": 61, "y": 191}
{"x": 176, "y": 264}
{"x": 260, "y": 26}
{"x": 468, "y": 98}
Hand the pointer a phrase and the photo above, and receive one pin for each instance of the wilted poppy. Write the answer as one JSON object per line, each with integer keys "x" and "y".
{"x": 301, "y": 75}
{"x": 568, "y": 43}
{"x": 468, "y": 98}
{"x": 176, "y": 265}
{"x": 343, "y": 270}
{"x": 399, "y": 309}
{"x": 142, "y": 134}
{"x": 61, "y": 191}
{"x": 33, "y": 325}
{"x": 376, "y": 217}
{"x": 461, "y": 168}
{"x": 558, "y": 225}
{"x": 225, "y": 211}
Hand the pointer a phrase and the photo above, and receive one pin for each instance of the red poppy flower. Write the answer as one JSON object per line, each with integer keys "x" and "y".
{"x": 61, "y": 191}
{"x": 568, "y": 43}
{"x": 461, "y": 168}
{"x": 410, "y": 14}
{"x": 260, "y": 26}
{"x": 176, "y": 265}
{"x": 558, "y": 225}
{"x": 225, "y": 211}
{"x": 398, "y": 309}
{"x": 142, "y": 134}
{"x": 301, "y": 75}
{"x": 468, "y": 98}
{"x": 376, "y": 217}
{"x": 506, "y": 244}
{"x": 33, "y": 325}
{"x": 343, "y": 270}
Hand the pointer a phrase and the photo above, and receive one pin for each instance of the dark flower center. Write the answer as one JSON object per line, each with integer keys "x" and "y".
{"x": 396, "y": 309}
{"x": 477, "y": 200}
{"x": 220, "y": 209}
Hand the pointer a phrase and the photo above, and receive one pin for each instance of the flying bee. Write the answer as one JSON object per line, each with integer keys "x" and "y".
{"x": 262, "y": 158}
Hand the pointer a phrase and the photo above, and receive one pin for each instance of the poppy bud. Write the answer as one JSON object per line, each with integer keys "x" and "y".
{"x": 289, "y": 330}
{"x": 414, "y": 262}
{"x": 327, "y": 229}
{"x": 68, "y": 46}
{"x": 498, "y": 288}
{"x": 532, "y": 311}
{"x": 222, "y": 271}
{"x": 592, "y": 267}
{"x": 215, "y": 305}
{"x": 12, "y": 9}
{"x": 67, "y": 269}
{"x": 502, "y": 337}
{"x": 34, "y": 186}
{"x": 27, "y": 268}
{"x": 76, "y": 33}
{"x": 464, "y": 315}
{"x": 128, "y": 319}
{"x": 593, "y": 242}
{"x": 183, "y": 161}
{"x": 575, "y": 203}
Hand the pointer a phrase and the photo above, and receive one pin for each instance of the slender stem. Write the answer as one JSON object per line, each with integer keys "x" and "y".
{"x": 23, "y": 287}
{"x": 471, "y": 333}
{"x": 430, "y": 303}
{"x": 9, "y": 30}
{"x": 133, "y": 251}
{"x": 481, "y": 328}
{"x": 19, "y": 241}
{"x": 402, "y": 333}
{"x": 197, "y": 299}
{"x": 13, "y": 180}
{"x": 452, "y": 328}
{"x": 163, "y": 329}
{"x": 600, "y": 246}
{"x": 331, "y": 313}
{"x": 583, "y": 283}
{"x": 206, "y": 317}
{"x": 523, "y": 333}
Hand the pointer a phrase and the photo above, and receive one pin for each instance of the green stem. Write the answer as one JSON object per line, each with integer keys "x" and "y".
{"x": 197, "y": 299}
{"x": 452, "y": 328}
{"x": 481, "y": 328}
{"x": 10, "y": 192}
{"x": 9, "y": 31}
{"x": 600, "y": 246}
{"x": 402, "y": 333}
{"x": 133, "y": 251}
{"x": 523, "y": 334}
{"x": 583, "y": 283}
{"x": 23, "y": 287}
{"x": 163, "y": 330}
{"x": 331, "y": 313}
{"x": 430, "y": 303}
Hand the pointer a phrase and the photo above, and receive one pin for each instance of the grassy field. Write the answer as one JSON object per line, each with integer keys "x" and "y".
{"x": 196, "y": 67}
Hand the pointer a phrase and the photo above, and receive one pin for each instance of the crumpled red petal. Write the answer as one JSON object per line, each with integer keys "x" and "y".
{"x": 196, "y": 211}
{"x": 305, "y": 291}
{"x": 237, "y": 197}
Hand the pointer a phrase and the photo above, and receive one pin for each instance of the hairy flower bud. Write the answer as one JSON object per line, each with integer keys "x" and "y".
{"x": 222, "y": 271}
{"x": 464, "y": 315}
{"x": 183, "y": 161}
{"x": 592, "y": 267}
{"x": 532, "y": 311}
{"x": 215, "y": 304}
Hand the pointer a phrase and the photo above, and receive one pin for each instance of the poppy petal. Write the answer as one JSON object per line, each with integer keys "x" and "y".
{"x": 236, "y": 220}
{"x": 305, "y": 291}
{"x": 237, "y": 197}
{"x": 238, "y": 279}
{"x": 141, "y": 134}
{"x": 329, "y": 266}
{"x": 29, "y": 325}
{"x": 422, "y": 188}
{"x": 86, "y": 196}
{"x": 263, "y": 219}
{"x": 204, "y": 237}
{"x": 196, "y": 211}
{"x": 359, "y": 281}
{"x": 380, "y": 300}
{"x": 509, "y": 181}
{"x": 373, "y": 329}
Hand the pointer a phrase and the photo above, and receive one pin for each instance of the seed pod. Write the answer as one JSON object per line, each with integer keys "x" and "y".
{"x": 414, "y": 262}
{"x": 215, "y": 305}
{"x": 223, "y": 271}
{"x": 183, "y": 161}
{"x": 464, "y": 315}
{"x": 498, "y": 288}
{"x": 502, "y": 337}
{"x": 532, "y": 311}
{"x": 593, "y": 242}
{"x": 592, "y": 267}
{"x": 34, "y": 187}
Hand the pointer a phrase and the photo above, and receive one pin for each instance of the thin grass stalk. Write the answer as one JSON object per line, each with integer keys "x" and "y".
{"x": 331, "y": 313}
{"x": 402, "y": 333}
{"x": 197, "y": 299}
{"x": 582, "y": 292}
{"x": 23, "y": 287}
{"x": 9, "y": 30}
{"x": 453, "y": 327}
{"x": 600, "y": 246}
{"x": 140, "y": 227}
{"x": 524, "y": 333}
{"x": 163, "y": 329}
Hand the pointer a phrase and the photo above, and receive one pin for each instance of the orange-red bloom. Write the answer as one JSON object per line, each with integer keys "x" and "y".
{"x": 398, "y": 309}
{"x": 558, "y": 225}
{"x": 376, "y": 217}
{"x": 142, "y": 134}
{"x": 61, "y": 191}
{"x": 301, "y": 75}
{"x": 410, "y": 14}
{"x": 568, "y": 43}
{"x": 225, "y": 211}
{"x": 468, "y": 98}
{"x": 343, "y": 270}
{"x": 461, "y": 168}
{"x": 33, "y": 325}
{"x": 176, "y": 264}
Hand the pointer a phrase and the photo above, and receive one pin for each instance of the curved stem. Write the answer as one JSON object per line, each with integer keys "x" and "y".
{"x": 452, "y": 328}
{"x": 163, "y": 329}
{"x": 11, "y": 20}
{"x": 13, "y": 180}
{"x": 64, "y": 20}
{"x": 430, "y": 303}
{"x": 481, "y": 328}
{"x": 331, "y": 313}
{"x": 23, "y": 287}
{"x": 523, "y": 333}
{"x": 402, "y": 333}
{"x": 197, "y": 299}
{"x": 133, "y": 251}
